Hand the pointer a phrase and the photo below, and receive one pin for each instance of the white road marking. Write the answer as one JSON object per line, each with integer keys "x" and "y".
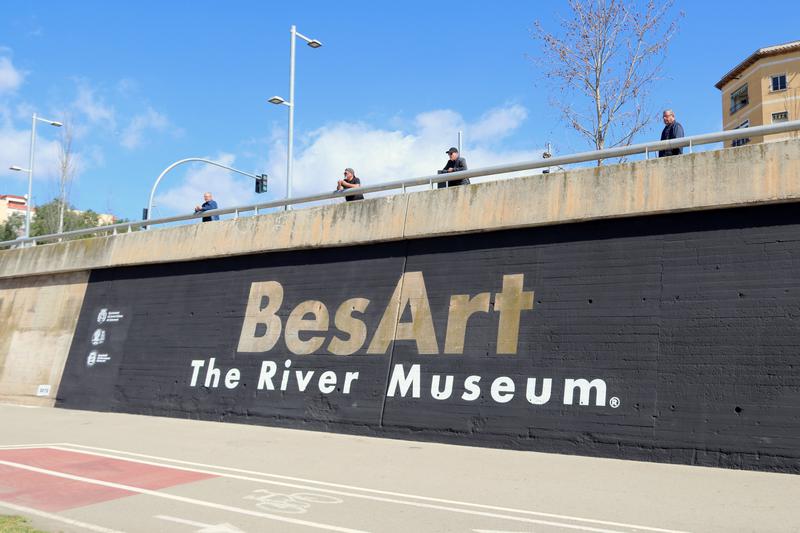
{"x": 23, "y": 446}
{"x": 351, "y": 487}
{"x": 496, "y": 531}
{"x": 182, "y": 499}
{"x": 297, "y": 503}
{"x": 362, "y": 489}
{"x": 204, "y": 528}
{"x": 63, "y": 519}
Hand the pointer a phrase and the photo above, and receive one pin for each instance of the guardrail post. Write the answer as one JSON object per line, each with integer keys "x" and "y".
{"x": 431, "y": 183}
{"x": 646, "y": 152}
{"x": 236, "y": 214}
{"x": 690, "y": 147}
{"x": 255, "y": 209}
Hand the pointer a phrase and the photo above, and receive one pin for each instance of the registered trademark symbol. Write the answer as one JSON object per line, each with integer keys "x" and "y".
{"x": 613, "y": 402}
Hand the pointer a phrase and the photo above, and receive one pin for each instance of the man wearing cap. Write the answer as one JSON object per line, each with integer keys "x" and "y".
{"x": 350, "y": 181}
{"x": 456, "y": 163}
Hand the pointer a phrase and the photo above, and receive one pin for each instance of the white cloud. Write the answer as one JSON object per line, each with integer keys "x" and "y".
{"x": 150, "y": 120}
{"x": 93, "y": 113}
{"x": 229, "y": 189}
{"x": 93, "y": 107}
{"x": 377, "y": 155}
{"x": 10, "y": 77}
{"x": 127, "y": 86}
{"x": 15, "y": 150}
{"x": 15, "y": 124}
{"x": 380, "y": 155}
{"x": 498, "y": 123}
{"x": 94, "y": 118}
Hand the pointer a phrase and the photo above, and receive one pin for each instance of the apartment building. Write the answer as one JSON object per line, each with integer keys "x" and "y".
{"x": 763, "y": 89}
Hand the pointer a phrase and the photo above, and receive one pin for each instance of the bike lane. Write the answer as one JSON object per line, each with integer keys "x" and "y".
{"x": 117, "y": 494}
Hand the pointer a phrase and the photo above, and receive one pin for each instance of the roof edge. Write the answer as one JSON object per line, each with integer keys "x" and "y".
{"x": 766, "y": 51}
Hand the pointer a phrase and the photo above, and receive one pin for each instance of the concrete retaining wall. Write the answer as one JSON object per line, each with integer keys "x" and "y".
{"x": 658, "y": 299}
{"x": 38, "y": 315}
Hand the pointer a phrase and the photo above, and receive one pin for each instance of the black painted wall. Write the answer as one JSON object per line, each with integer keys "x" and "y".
{"x": 691, "y": 320}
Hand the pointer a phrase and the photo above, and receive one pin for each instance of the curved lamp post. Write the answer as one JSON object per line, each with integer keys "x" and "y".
{"x": 188, "y": 160}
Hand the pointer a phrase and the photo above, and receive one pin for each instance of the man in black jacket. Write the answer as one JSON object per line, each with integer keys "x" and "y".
{"x": 350, "y": 181}
{"x": 456, "y": 163}
{"x": 672, "y": 130}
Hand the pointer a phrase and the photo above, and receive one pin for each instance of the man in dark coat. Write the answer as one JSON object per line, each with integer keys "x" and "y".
{"x": 672, "y": 130}
{"x": 455, "y": 163}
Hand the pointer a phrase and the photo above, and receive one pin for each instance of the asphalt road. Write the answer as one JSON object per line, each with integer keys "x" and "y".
{"x": 82, "y": 471}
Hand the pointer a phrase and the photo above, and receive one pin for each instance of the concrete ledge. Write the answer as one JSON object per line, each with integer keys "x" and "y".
{"x": 756, "y": 174}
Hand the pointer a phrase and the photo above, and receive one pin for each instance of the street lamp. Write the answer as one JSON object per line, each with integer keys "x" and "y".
{"x": 27, "y": 198}
{"x": 277, "y": 100}
{"x": 29, "y": 170}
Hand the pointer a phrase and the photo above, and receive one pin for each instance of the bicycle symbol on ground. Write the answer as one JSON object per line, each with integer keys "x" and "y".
{"x": 295, "y": 503}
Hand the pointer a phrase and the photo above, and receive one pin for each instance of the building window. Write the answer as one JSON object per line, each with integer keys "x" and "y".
{"x": 739, "y": 99}
{"x": 779, "y": 82}
{"x": 741, "y": 142}
{"x": 782, "y": 116}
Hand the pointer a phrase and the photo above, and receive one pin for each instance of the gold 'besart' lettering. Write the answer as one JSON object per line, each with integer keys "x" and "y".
{"x": 510, "y": 303}
{"x": 347, "y": 323}
{"x": 410, "y": 291}
{"x": 297, "y": 322}
{"x": 262, "y": 326}
{"x": 258, "y": 314}
{"x": 461, "y": 308}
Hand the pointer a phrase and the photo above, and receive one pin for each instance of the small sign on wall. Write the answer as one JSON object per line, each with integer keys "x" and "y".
{"x": 43, "y": 390}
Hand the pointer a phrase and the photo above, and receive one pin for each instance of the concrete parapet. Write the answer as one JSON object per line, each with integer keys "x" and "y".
{"x": 756, "y": 174}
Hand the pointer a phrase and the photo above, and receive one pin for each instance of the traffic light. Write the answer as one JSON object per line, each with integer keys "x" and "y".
{"x": 261, "y": 183}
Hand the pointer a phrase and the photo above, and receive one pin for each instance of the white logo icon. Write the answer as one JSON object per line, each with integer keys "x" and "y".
{"x": 109, "y": 316}
{"x": 98, "y": 337}
{"x": 97, "y": 358}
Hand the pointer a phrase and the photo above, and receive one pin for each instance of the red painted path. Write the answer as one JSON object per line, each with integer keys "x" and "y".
{"x": 51, "y": 493}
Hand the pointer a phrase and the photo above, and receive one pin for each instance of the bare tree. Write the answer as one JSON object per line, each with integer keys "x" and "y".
{"x": 602, "y": 62}
{"x": 67, "y": 168}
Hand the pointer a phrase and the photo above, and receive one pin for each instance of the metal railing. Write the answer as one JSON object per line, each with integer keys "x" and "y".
{"x": 181, "y": 162}
{"x": 430, "y": 180}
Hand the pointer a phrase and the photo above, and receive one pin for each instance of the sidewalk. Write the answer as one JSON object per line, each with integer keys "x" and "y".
{"x": 85, "y": 471}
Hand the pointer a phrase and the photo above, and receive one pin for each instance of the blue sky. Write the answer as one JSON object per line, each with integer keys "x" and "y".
{"x": 146, "y": 83}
